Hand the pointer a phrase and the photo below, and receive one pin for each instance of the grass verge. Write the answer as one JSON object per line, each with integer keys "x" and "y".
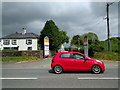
{"x": 18, "y": 59}
{"x": 9, "y": 50}
{"x": 107, "y": 56}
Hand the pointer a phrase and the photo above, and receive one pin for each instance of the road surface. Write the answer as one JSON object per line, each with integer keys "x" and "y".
{"x": 38, "y": 74}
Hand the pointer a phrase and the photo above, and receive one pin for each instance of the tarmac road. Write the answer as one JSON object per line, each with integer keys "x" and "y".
{"x": 38, "y": 74}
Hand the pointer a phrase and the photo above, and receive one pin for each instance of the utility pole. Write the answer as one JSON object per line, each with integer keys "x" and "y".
{"x": 108, "y": 29}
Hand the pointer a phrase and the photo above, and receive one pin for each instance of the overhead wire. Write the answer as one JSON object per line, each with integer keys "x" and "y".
{"x": 104, "y": 16}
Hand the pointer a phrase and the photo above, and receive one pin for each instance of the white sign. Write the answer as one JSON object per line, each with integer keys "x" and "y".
{"x": 46, "y": 46}
{"x": 86, "y": 45}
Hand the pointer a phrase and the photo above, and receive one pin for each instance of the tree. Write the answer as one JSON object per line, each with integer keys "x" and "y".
{"x": 76, "y": 40}
{"x": 56, "y": 37}
{"x": 91, "y": 37}
{"x": 115, "y": 42}
{"x": 93, "y": 43}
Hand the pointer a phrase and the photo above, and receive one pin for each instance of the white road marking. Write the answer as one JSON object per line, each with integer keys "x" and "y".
{"x": 19, "y": 78}
{"x": 97, "y": 78}
{"x": 18, "y": 62}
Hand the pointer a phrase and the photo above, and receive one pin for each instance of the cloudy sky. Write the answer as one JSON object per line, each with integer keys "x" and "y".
{"x": 73, "y": 17}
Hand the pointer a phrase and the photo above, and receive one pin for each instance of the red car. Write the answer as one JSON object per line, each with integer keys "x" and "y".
{"x": 75, "y": 61}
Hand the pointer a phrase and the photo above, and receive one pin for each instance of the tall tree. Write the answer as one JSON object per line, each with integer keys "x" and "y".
{"x": 77, "y": 40}
{"x": 56, "y": 37}
{"x": 115, "y": 42}
{"x": 93, "y": 41}
{"x": 92, "y": 37}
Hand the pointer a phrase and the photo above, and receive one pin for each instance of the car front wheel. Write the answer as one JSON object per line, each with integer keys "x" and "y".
{"x": 96, "y": 69}
{"x": 58, "y": 69}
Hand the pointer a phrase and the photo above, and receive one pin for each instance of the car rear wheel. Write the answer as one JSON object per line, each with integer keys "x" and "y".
{"x": 58, "y": 69}
{"x": 96, "y": 69}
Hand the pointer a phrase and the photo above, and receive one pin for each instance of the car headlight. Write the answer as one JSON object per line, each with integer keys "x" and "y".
{"x": 99, "y": 61}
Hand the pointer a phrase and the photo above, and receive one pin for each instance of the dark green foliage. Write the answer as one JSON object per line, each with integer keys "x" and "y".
{"x": 93, "y": 43}
{"x": 115, "y": 42}
{"x": 91, "y": 37}
{"x": 9, "y": 50}
{"x": 56, "y": 37}
{"x": 95, "y": 47}
{"x": 18, "y": 59}
{"x": 66, "y": 49}
{"x": 76, "y": 40}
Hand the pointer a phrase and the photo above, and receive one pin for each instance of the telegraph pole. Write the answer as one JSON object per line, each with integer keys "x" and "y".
{"x": 108, "y": 29}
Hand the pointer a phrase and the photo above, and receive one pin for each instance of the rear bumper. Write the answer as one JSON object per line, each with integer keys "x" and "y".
{"x": 52, "y": 65}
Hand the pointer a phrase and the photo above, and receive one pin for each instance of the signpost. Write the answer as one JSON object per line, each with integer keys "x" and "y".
{"x": 86, "y": 45}
{"x": 46, "y": 46}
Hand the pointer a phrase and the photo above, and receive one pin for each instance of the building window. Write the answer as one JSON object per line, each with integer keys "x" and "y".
{"x": 6, "y": 42}
{"x": 14, "y": 42}
{"x": 28, "y": 42}
{"x": 29, "y": 48}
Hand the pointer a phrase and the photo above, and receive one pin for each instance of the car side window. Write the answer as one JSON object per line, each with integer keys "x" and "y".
{"x": 78, "y": 56}
{"x": 65, "y": 55}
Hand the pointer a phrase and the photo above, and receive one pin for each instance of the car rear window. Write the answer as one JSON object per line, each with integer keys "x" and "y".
{"x": 54, "y": 55}
{"x": 65, "y": 55}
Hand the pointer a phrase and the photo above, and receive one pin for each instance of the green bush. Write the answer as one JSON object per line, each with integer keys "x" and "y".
{"x": 18, "y": 59}
{"x": 107, "y": 56}
{"x": 9, "y": 50}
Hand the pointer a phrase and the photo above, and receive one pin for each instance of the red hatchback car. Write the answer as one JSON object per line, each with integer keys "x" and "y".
{"x": 75, "y": 61}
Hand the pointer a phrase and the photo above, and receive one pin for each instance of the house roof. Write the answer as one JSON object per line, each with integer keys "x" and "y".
{"x": 21, "y": 36}
{"x": 73, "y": 46}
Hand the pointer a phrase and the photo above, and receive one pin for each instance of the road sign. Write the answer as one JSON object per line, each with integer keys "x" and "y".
{"x": 86, "y": 45}
{"x": 46, "y": 46}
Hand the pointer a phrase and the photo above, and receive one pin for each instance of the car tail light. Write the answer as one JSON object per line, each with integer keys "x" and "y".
{"x": 52, "y": 60}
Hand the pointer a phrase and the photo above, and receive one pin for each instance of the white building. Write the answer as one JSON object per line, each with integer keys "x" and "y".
{"x": 20, "y": 41}
{"x": 61, "y": 49}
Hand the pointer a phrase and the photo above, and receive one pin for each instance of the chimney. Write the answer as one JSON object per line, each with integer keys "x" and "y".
{"x": 23, "y": 31}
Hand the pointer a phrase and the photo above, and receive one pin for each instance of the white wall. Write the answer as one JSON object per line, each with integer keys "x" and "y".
{"x": 1, "y": 48}
{"x": 21, "y": 43}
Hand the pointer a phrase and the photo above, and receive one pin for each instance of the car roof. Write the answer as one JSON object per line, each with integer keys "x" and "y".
{"x": 67, "y": 52}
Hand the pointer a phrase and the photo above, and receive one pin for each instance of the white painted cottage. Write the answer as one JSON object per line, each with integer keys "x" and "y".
{"x": 21, "y": 41}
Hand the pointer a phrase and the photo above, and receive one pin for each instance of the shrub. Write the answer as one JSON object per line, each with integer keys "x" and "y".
{"x": 107, "y": 56}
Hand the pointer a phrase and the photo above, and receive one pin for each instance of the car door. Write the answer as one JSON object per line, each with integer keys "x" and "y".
{"x": 80, "y": 62}
{"x": 67, "y": 61}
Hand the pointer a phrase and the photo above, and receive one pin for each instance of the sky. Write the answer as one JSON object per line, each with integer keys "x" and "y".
{"x": 73, "y": 17}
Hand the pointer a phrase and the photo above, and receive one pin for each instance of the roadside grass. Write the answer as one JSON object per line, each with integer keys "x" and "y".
{"x": 9, "y": 50}
{"x": 112, "y": 56}
{"x": 18, "y": 59}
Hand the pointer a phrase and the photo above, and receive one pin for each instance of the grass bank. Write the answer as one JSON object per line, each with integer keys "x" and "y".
{"x": 107, "y": 56}
{"x": 9, "y": 50}
{"x": 18, "y": 59}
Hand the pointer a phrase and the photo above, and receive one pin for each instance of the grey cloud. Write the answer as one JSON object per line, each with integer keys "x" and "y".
{"x": 24, "y": 12}
{"x": 75, "y": 18}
